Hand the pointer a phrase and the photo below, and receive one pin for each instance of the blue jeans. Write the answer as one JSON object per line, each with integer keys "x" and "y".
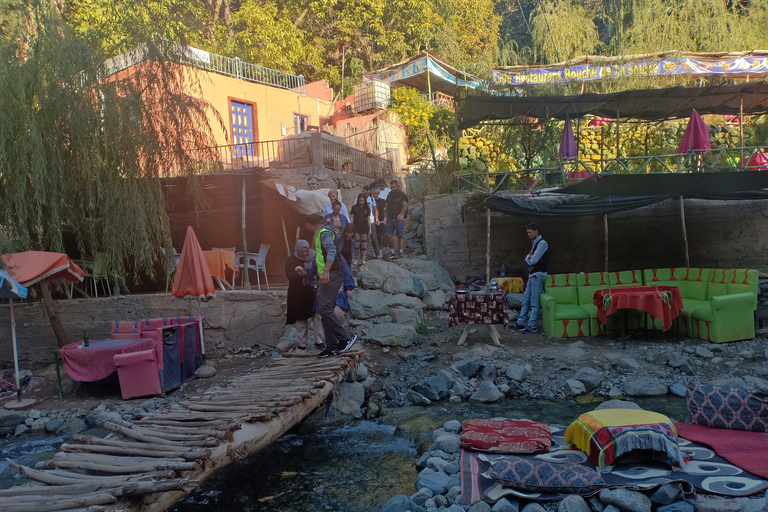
{"x": 531, "y": 300}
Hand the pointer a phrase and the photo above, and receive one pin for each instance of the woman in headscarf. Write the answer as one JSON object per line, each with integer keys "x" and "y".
{"x": 301, "y": 271}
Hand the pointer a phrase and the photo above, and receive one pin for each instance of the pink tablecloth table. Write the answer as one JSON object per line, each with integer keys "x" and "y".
{"x": 94, "y": 362}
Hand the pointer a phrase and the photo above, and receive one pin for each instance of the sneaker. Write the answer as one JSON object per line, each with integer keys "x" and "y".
{"x": 326, "y": 353}
{"x": 401, "y": 255}
{"x": 347, "y": 347}
{"x": 520, "y": 327}
{"x": 528, "y": 330}
{"x": 364, "y": 262}
{"x": 354, "y": 263}
{"x": 381, "y": 253}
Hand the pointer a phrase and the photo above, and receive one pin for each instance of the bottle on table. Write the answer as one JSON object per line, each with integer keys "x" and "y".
{"x": 85, "y": 338}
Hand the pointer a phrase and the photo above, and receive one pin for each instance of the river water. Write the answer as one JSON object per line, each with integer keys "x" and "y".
{"x": 356, "y": 467}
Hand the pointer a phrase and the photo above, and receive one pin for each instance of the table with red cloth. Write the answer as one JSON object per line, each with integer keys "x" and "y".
{"x": 664, "y": 302}
{"x": 94, "y": 362}
{"x": 478, "y": 308}
{"x": 221, "y": 264}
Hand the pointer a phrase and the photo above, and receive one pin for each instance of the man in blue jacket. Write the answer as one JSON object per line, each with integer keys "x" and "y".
{"x": 537, "y": 260}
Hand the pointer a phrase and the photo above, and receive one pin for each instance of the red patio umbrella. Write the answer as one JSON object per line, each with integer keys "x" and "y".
{"x": 193, "y": 279}
{"x": 33, "y": 267}
{"x": 696, "y": 136}
{"x": 757, "y": 162}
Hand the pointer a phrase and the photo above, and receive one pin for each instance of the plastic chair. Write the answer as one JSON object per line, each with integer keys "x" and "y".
{"x": 256, "y": 260}
{"x": 170, "y": 266}
{"x": 97, "y": 272}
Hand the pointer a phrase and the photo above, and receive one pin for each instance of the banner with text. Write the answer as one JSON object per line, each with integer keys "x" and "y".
{"x": 757, "y": 65}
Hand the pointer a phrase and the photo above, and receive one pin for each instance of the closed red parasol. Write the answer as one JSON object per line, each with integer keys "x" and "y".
{"x": 193, "y": 279}
{"x": 696, "y": 136}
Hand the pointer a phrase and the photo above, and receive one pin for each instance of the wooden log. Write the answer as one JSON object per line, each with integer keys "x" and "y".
{"x": 220, "y": 424}
{"x": 101, "y": 458}
{"x": 141, "y": 436}
{"x": 116, "y": 488}
{"x": 178, "y": 450}
{"x": 43, "y": 505}
{"x": 109, "y": 468}
{"x": 142, "y": 452}
{"x": 60, "y": 477}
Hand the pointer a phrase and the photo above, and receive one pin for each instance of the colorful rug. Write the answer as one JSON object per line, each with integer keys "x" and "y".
{"x": 747, "y": 450}
{"x": 705, "y": 471}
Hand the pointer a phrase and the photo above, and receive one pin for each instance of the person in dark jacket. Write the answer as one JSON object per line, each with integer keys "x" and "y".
{"x": 537, "y": 260}
{"x": 301, "y": 271}
{"x": 346, "y": 244}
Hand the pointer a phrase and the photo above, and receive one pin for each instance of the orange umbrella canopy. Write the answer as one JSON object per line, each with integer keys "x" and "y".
{"x": 33, "y": 267}
{"x": 193, "y": 279}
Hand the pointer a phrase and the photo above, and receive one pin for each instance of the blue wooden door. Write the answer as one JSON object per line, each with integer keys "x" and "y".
{"x": 242, "y": 128}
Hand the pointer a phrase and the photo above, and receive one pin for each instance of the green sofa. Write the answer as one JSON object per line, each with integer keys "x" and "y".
{"x": 718, "y": 304}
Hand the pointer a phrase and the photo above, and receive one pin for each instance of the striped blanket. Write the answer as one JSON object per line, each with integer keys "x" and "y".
{"x": 607, "y": 434}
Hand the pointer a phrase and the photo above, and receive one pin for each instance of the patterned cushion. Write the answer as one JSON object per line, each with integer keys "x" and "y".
{"x": 533, "y": 475}
{"x": 731, "y": 408}
{"x": 506, "y": 436}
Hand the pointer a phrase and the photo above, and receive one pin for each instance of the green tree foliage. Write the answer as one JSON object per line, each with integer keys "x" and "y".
{"x": 80, "y": 155}
{"x": 264, "y": 35}
{"x": 421, "y": 120}
{"x": 562, "y": 29}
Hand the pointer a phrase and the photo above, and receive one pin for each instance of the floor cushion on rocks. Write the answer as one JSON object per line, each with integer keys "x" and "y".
{"x": 506, "y": 436}
{"x": 542, "y": 476}
{"x": 607, "y": 434}
{"x": 724, "y": 407}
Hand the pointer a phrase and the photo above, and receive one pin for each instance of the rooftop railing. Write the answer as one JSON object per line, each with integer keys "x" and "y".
{"x": 208, "y": 61}
{"x": 293, "y": 153}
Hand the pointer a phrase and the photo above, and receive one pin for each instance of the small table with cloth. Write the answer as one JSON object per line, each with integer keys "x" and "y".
{"x": 664, "y": 302}
{"x": 219, "y": 264}
{"x": 478, "y": 308}
{"x": 607, "y": 434}
{"x": 95, "y": 362}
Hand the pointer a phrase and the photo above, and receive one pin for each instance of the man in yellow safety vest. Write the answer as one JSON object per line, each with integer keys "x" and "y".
{"x": 331, "y": 280}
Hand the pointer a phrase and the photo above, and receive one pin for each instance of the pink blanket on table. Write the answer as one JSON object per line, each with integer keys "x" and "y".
{"x": 87, "y": 364}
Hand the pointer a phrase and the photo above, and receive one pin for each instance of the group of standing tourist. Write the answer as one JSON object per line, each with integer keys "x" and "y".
{"x": 319, "y": 271}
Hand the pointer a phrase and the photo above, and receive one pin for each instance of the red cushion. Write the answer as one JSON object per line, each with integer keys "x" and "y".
{"x": 506, "y": 436}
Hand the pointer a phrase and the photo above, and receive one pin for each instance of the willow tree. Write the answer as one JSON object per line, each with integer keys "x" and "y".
{"x": 81, "y": 153}
{"x": 561, "y": 30}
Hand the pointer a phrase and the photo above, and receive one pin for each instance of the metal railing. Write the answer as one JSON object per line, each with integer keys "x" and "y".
{"x": 210, "y": 62}
{"x": 290, "y": 153}
{"x": 343, "y": 158}
{"x": 569, "y": 171}
{"x": 439, "y": 99}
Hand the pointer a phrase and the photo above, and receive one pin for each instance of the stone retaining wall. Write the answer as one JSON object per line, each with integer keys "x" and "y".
{"x": 233, "y": 319}
{"x": 721, "y": 234}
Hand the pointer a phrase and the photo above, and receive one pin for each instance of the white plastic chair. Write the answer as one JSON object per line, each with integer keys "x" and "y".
{"x": 256, "y": 261}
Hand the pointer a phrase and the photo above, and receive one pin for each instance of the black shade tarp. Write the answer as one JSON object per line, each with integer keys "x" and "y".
{"x": 707, "y": 185}
{"x": 562, "y": 205}
{"x": 475, "y": 107}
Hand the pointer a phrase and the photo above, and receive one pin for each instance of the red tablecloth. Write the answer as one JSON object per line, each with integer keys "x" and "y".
{"x": 664, "y": 302}
{"x": 478, "y": 308}
{"x": 94, "y": 362}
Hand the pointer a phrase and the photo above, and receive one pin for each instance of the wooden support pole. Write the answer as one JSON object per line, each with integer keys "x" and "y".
{"x": 741, "y": 134}
{"x": 685, "y": 234}
{"x": 605, "y": 239}
{"x": 488, "y": 246}
{"x": 602, "y": 146}
{"x": 246, "y": 284}
{"x": 53, "y": 315}
{"x": 618, "y": 135}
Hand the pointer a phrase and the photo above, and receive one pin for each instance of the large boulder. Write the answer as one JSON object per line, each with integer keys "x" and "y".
{"x": 440, "y": 275}
{"x": 350, "y": 399}
{"x": 404, "y": 316}
{"x": 405, "y": 301}
{"x": 368, "y": 304}
{"x": 435, "y": 299}
{"x": 391, "y": 335}
{"x": 399, "y": 503}
{"x": 433, "y": 388}
{"x": 390, "y": 278}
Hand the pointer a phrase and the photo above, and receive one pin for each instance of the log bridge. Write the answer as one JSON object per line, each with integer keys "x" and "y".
{"x": 150, "y": 464}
